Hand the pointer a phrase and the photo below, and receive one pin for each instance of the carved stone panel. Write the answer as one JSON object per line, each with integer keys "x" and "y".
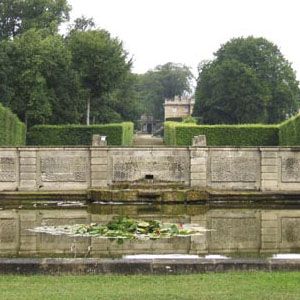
{"x": 8, "y": 234}
{"x": 234, "y": 233}
{"x": 290, "y": 231}
{"x": 63, "y": 169}
{"x": 8, "y": 169}
{"x": 234, "y": 169}
{"x": 290, "y": 169}
{"x": 163, "y": 168}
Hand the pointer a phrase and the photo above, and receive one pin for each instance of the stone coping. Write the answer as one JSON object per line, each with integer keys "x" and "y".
{"x": 51, "y": 266}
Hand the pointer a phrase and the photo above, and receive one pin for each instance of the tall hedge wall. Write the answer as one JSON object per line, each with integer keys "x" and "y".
{"x": 12, "y": 130}
{"x": 181, "y": 134}
{"x": 289, "y": 132}
{"x": 120, "y": 134}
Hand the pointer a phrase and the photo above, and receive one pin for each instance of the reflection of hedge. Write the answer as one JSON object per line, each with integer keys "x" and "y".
{"x": 12, "y": 130}
{"x": 222, "y": 135}
{"x": 47, "y": 135}
{"x": 289, "y": 132}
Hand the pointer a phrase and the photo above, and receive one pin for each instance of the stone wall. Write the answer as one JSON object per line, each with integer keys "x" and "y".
{"x": 79, "y": 168}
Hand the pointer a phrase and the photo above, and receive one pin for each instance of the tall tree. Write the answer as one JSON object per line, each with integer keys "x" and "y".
{"x": 39, "y": 78}
{"x": 17, "y": 16}
{"x": 271, "y": 95}
{"x": 101, "y": 62}
{"x": 165, "y": 81}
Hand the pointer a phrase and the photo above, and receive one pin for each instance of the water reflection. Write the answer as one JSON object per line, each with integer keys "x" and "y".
{"x": 232, "y": 231}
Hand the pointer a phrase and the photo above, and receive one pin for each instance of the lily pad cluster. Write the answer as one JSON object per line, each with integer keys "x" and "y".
{"x": 125, "y": 228}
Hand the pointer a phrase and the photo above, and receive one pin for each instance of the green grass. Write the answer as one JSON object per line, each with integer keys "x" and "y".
{"x": 251, "y": 285}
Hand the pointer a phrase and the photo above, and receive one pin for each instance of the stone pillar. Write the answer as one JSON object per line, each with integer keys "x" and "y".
{"x": 199, "y": 141}
{"x": 269, "y": 169}
{"x": 28, "y": 170}
{"x": 198, "y": 164}
{"x": 99, "y": 140}
{"x": 99, "y": 167}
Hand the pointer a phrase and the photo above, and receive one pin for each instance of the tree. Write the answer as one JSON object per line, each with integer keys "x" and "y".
{"x": 39, "y": 78}
{"x": 82, "y": 24}
{"x": 165, "y": 81}
{"x": 17, "y": 16}
{"x": 248, "y": 81}
{"x": 101, "y": 62}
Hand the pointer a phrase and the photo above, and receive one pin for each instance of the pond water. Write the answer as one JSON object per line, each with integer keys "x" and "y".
{"x": 231, "y": 232}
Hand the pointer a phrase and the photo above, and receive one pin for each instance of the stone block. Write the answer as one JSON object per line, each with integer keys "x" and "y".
{"x": 198, "y": 161}
{"x": 269, "y": 169}
{"x": 269, "y": 238}
{"x": 99, "y": 160}
{"x": 269, "y": 185}
{"x": 198, "y": 168}
{"x": 198, "y": 183}
{"x": 28, "y": 161}
{"x": 269, "y": 162}
{"x": 28, "y": 184}
{"x": 269, "y": 176}
{"x": 269, "y": 231}
{"x": 198, "y": 176}
{"x": 269, "y": 245}
{"x": 269, "y": 224}
{"x": 24, "y": 154}
{"x": 98, "y": 168}
{"x": 28, "y": 176}
{"x": 99, "y": 175}
{"x": 269, "y": 154}
{"x": 28, "y": 168}
{"x": 99, "y": 183}
{"x": 199, "y": 141}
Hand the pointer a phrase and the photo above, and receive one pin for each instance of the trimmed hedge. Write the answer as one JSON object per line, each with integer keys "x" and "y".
{"x": 181, "y": 134}
{"x": 119, "y": 134}
{"x": 12, "y": 130}
{"x": 289, "y": 132}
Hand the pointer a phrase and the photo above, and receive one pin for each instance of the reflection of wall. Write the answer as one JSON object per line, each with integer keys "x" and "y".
{"x": 237, "y": 230}
{"x": 78, "y": 168}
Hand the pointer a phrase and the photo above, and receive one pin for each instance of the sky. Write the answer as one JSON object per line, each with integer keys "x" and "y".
{"x": 155, "y": 32}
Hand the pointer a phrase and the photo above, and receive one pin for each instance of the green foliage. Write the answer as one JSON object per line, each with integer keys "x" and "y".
{"x": 165, "y": 81}
{"x": 100, "y": 62}
{"x": 189, "y": 119}
{"x": 289, "y": 132}
{"x": 12, "y": 131}
{"x": 181, "y": 134}
{"x": 49, "y": 135}
{"x": 249, "y": 81}
{"x": 18, "y": 16}
{"x": 39, "y": 81}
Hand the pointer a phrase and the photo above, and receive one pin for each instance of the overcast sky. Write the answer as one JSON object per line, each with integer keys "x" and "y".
{"x": 188, "y": 31}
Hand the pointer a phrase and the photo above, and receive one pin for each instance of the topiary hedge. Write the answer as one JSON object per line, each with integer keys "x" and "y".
{"x": 181, "y": 134}
{"x": 12, "y": 130}
{"x": 289, "y": 132}
{"x": 119, "y": 134}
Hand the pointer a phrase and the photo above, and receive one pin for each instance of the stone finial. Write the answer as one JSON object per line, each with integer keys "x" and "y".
{"x": 99, "y": 140}
{"x": 199, "y": 141}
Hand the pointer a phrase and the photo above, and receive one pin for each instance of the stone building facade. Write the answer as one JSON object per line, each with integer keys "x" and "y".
{"x": 178, "y": 107}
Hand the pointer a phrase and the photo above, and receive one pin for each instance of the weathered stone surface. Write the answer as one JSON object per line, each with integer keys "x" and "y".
{"x": 199, "y": 141}
{"x": 291, "y": 230}
{"x": 163, "y": 168}
{"x": 239, "y": 231}
{"x": 63, "y": 168}
{"x": 8, "y": 169}
{"x": 234, "y": 169}
{"x": 290, "y": 169}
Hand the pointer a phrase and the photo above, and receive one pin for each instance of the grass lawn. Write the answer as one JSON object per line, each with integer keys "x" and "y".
{"x": 251, "y": 285}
